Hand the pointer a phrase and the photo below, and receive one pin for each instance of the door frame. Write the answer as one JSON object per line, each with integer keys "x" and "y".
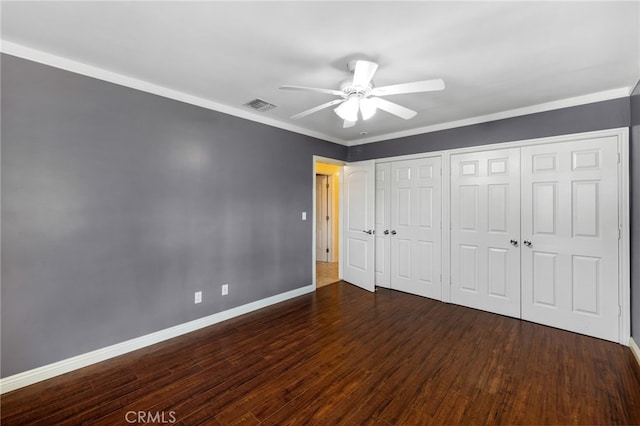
{"x": 320, "y": 159}
{"x": 624, "y": 259}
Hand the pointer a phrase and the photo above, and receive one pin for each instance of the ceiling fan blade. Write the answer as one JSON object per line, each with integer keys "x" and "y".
{"x": 316, "y": 109}
{"x": 416, "y": 86}
{"x": 314, "y": 89}
{"x": 363, "y": 73}
{"x": 346, "y": 124}
{"x": 396, "y": 109}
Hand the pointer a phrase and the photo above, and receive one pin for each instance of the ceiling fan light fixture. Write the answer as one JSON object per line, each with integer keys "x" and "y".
{"x": 368, "y": 107}
{"x": 348, "y": 110}
{"x": 358, "y": 97}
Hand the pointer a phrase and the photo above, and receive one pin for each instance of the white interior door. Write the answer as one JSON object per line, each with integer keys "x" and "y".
{"x": 322, "y": 215}
{"x": 570, "y": 236}
{"x": 416, "y": 234}
{"x": 383, "y": 225}
{"x": 485, "y": 229}
{"x": 359, "y": 210}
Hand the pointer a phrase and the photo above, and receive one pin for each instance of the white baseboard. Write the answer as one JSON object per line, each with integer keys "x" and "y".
{"x": 635, "y": 349}
{"x": 29, "y": 377}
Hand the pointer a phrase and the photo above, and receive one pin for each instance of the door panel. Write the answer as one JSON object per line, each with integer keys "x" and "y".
{"x": 425, "y": 253}
{"x": 359, "y": 193}
{"x": 498, "y": 272}
{"x": 416, "y": 226}
{"x": 468, "y": 207}
{"x": 498, "y": 202}
{"x": 383, "y": 225}
{"x": 468, "y": 268}
{"x": 570, "y": 216}
{"x": 485, "y": 217}
{"x": 545, "y": 279}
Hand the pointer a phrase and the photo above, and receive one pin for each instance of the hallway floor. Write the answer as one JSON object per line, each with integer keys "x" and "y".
{"x": 326, "y": 273}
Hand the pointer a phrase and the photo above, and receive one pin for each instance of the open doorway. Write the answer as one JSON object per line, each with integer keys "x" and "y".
{"x": 327, "y": 225}
{"x": 324, "y": 218}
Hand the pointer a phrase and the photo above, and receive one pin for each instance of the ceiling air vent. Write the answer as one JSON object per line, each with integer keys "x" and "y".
{"x": 259, "y": 105}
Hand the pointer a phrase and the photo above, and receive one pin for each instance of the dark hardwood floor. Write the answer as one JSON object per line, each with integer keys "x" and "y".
{"x": 346, "y": 356}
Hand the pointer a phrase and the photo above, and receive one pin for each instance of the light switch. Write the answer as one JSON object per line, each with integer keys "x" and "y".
{"x": 304, "y": 215}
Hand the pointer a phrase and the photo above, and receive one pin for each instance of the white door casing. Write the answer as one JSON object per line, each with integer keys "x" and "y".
{"x": 485, "y": 230}
{"x": 383, "y": 225}
{"x": 416, "y": 235}
{"x": 358, "y": 222}
{"x": 570, "y": 235}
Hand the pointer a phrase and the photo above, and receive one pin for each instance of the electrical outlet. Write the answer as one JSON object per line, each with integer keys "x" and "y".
{"x": 198, "y": 297}
{"x": 225, "y": 289}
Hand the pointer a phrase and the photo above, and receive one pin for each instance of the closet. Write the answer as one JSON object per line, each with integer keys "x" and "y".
{"x": 534, "y": 234}
{"x": 536, "y": 230}
{"x": 408, "y": 224}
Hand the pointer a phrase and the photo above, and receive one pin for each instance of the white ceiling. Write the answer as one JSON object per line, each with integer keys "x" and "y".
{"x": 494, "y": 57}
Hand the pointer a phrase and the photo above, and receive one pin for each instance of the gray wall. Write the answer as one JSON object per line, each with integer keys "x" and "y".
{"x": 635, "y": 213}
{"x": 117, "y": 205}
{"x": 583, "y": 118}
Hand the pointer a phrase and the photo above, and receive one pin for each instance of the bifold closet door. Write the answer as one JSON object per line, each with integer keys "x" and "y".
{"x": 570, "y": 236}
{"x": 415, "y": 235}
{"x": 485, "y": 230}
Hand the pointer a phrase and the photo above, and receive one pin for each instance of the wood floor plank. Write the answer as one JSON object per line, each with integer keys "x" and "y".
{"x": 343, "y": 355}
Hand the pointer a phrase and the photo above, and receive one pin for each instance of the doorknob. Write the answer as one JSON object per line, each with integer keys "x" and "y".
{"x": 514, "y": 242}
{"x": 368, "y": 232}
{"x": 386, "y": 232}
{"x": 393, "y": 232}
{"x": 527, "y": 243}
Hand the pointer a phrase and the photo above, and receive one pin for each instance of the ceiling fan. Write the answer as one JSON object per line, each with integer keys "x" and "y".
{"x": 360, "y": 95}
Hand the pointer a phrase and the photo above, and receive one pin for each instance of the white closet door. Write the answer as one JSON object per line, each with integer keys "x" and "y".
{"x": 416, "y": 241}
{"x": 570, "y": 236}
{"x": 358, "y": 243}
{"x": 383, "y": 225}
{"x": 485, "y": 229}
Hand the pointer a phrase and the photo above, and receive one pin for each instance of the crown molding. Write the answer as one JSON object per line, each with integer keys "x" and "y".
{"x": 607, "y": 95}
{"x": 49, "y": 59}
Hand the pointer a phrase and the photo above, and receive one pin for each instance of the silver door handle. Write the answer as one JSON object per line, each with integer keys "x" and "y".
{"x": 527, "y": 243}
{"x": 386, "y": 232}
{"x": 393, "y": 232}
{"x": 368, "y": 232}
{"x": 514, "y": 242}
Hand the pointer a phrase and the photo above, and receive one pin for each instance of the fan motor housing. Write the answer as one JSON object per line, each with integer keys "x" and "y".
{"x": 349, "y": 89}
